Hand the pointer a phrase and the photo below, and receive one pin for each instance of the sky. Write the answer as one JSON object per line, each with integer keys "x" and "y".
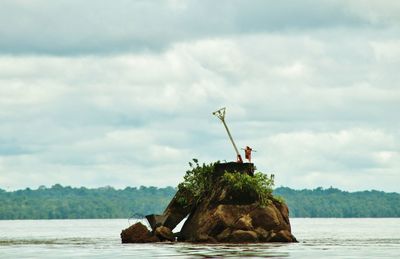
{"x": 121, "y": 93}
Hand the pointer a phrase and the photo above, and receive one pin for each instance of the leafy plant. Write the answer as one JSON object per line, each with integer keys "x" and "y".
{"x": 260, "y": 184}
{"x": 196, "y": 183}
{"x": 279, "y": 198}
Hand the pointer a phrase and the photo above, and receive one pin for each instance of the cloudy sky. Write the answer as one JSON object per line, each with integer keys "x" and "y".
{"x": 120, "y": 93}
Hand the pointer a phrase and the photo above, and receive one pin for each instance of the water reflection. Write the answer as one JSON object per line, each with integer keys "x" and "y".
{"x": 230, "y": 250}
{"x": 58, "y": 241}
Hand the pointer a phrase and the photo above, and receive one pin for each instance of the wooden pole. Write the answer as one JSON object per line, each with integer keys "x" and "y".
{"x": 221, "y": 115}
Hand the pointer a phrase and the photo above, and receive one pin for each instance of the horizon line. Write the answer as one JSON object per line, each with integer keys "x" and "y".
{"x": 57, "y": 185}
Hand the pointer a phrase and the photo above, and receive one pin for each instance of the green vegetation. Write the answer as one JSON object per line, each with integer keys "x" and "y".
{"x": 260, "y": 185}
{"x": 196, "y": 183}
{"x": 60, "y": 202}
{"x": 340, "y": 204}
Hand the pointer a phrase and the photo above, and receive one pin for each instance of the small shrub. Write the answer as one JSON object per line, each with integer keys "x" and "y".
{"x": 196, "y": 183}
{"x": 259, "y": 184}
{"x": 279, "y": 198}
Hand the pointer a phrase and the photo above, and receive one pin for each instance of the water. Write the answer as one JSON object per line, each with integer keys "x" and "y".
{"x": 319, "y": 238}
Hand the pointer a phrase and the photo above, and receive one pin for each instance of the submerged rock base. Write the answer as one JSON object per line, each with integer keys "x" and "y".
{"x": 138, "y": 233}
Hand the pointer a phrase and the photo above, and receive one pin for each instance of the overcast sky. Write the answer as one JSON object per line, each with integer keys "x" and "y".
{"x": 120, "y": 93}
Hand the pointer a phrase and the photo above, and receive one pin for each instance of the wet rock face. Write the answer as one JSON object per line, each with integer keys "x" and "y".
{"x": 243, "y": 236}
{"x": 238, "y": 223}
{"x": 164, "y": 234}
{"x": 138, "y": 233}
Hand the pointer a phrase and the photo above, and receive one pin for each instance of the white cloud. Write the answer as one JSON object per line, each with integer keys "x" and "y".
{"x": 319, "y": 103}
{"x": 377, "y": 12}
{"x": 387, "y": 51}
{"x": 68, "y": 27}
{"x": 341, "y": 159}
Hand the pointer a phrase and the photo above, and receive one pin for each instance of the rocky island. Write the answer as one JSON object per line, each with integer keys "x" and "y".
{"x": 223, "y": 202}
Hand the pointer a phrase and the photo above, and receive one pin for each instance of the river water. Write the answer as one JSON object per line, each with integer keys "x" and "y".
{"x": 318, "y": 238}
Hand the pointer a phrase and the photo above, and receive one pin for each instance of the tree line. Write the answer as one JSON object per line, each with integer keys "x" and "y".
{"x": 334, "y": 203}
{"x": 65, "y": 202}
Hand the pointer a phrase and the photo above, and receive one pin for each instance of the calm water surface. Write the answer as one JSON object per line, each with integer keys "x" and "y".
{"x": 319, "y": 238}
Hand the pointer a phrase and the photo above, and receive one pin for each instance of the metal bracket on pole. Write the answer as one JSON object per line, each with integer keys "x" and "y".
{"x": 221, "y": 115}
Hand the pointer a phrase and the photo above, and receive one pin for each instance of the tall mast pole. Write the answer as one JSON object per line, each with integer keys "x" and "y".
{"x": 221, "y": 115}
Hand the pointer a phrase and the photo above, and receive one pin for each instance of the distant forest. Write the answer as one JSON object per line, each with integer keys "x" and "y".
{"x": 60, "y": 202}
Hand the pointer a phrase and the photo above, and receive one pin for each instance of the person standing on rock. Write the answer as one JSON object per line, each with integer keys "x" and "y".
{"x": 247, "y": 153}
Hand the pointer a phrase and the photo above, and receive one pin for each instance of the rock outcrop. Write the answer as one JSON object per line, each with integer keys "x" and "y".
{"x": 222, "y": 216}
{"x": 139, "y": 233}
{"x": 237, "y": 217}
